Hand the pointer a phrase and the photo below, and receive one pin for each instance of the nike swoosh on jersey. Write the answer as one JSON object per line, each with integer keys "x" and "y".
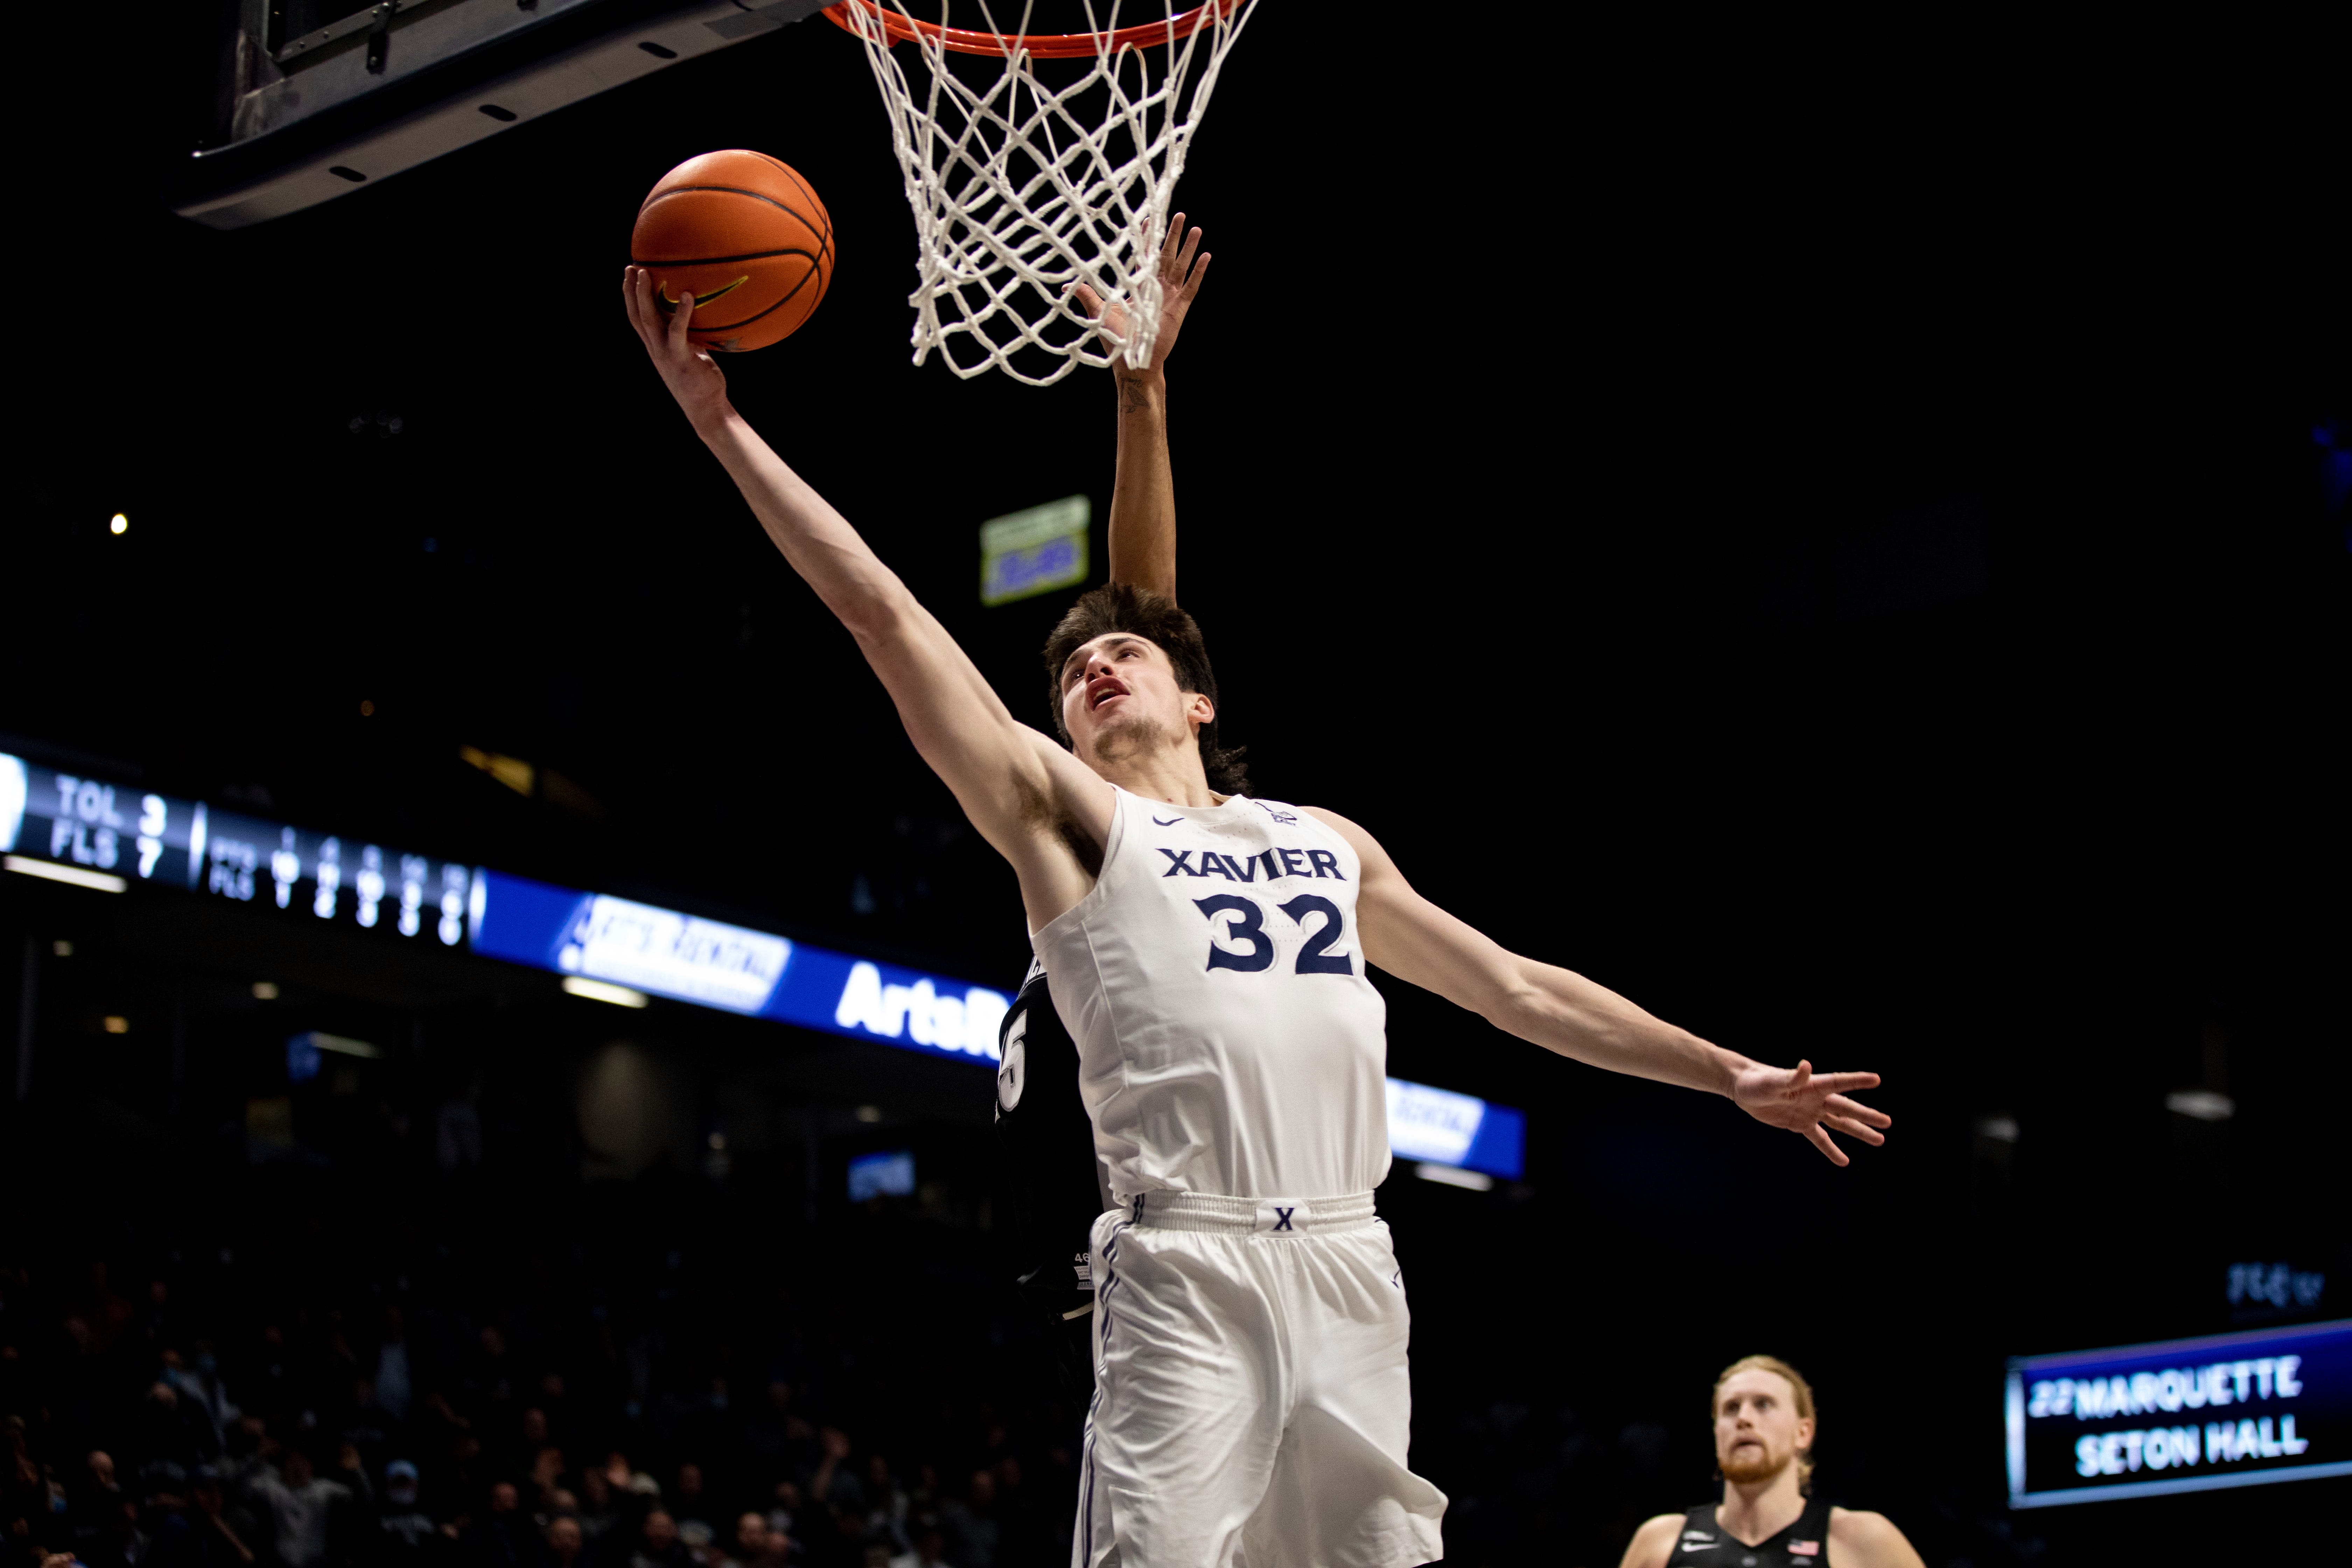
{"x": 1169, "y": 823}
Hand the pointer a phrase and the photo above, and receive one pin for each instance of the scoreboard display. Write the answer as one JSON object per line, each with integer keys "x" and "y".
{"x": 2234, "y": 1410}
{"x": 114, "y": 835}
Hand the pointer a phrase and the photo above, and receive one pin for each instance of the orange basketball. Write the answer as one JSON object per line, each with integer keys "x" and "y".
{"x": 747, "y": 237}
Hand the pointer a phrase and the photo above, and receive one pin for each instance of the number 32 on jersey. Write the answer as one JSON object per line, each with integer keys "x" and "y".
{"x": 1238, "y": 938}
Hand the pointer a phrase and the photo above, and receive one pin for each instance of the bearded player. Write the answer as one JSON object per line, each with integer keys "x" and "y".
{"x": 1207, "y": 952}
{"x": 1767, "y": 1519}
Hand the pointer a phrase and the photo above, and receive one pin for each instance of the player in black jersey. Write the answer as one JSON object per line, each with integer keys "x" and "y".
{"x": 1051, "y": 1176}
{"x": 1763, "y": 1446}
{"x": 1052, "y": 1179}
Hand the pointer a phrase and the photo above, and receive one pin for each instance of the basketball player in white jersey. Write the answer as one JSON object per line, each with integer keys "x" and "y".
{"x": 1207, "y": 954}
{"x": 1763, "y": 1444}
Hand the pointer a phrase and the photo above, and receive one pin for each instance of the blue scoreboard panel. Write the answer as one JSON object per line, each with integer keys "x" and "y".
{"x": 2234, "y": 1410}
{"x": 101, "y": 833}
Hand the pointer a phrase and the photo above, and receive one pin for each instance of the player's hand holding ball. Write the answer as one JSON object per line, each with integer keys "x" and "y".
{"x": 737, "y": 240}
{"x": 689, "y": 371}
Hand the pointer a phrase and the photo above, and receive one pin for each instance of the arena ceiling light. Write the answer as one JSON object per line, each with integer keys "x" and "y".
{"x": 604, "y": 991}
{"x": 2201, "y": 1104}
{"x": 102, "y": 881}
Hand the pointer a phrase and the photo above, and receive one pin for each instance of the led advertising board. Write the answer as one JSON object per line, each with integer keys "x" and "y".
{"x": 2234, "y": 1410}
{"x": 109, "y": 835}
{"x": 688, "y": 959}
{"x": 1448, "y": 1129}
{"x": 104, "y": 835}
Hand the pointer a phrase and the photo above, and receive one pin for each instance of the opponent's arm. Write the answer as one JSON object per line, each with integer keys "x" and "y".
{"x": 1012, "y": 782}
{"x": 1562, "y": 1011}
{"x": 1864, "y": 1540}
{"x": 1143, "y": 493}
{"x": 1654, "y": 1543}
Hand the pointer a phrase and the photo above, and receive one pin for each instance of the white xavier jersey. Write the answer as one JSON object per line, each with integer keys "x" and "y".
{"x": 1228, "y": 1039}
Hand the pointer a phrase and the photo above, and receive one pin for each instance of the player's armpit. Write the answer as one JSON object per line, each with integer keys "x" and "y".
{"x": 1654, "y": 1542}
{"x": 1034, "y": 803}
{"x": 1861, "y": 1540}
{"x": 1415, "y": 940}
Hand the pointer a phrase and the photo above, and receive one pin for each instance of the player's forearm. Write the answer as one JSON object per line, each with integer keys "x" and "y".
{"x": 1143, "y": 493}
{"x": 958, "y": 723}
{"x": 1564, "y": 1011}
{"x": 818, "y": 541}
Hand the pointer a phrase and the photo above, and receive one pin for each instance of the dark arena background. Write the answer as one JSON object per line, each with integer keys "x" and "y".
{"x": 1842, "y": 538}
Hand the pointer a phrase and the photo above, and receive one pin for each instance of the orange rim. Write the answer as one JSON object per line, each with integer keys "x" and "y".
{"x": 1043, "y": 46}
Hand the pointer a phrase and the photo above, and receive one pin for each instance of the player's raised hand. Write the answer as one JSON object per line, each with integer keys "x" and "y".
{"x": 1183, "y": 266}
{"x": 1803, "y": 1101}
{"x": 688, "y": 369}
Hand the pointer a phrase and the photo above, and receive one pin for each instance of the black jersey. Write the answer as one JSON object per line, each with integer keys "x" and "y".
{"x": 1706, "y": 1545}
{"x": 1047, "y": 1145}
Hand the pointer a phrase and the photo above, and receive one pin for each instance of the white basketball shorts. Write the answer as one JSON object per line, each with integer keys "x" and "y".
{"x": 1252, "y": 1404}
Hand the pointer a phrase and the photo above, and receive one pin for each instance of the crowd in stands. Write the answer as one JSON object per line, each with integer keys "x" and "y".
{"x": 320, "y": 1377}
{"x": 385, "y": 1363}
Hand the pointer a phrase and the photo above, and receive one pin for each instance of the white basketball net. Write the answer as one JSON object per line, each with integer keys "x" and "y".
{"x": 1021, "y": 189}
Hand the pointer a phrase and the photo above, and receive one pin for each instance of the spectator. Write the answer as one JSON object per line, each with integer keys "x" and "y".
{"x": 366, "y": 1424}
{"x": 567, "y": 1546}
{"x": 302, "y": 1508}
{"x": 886, "y": 1504}
{"x": 490, "y": 1373}
{"x": 929, "y": 1551}
{"x": 750, "y": 1543}
{"x": 167, "y": 1431}
{"x": 787, "y": 1508}
{"x": 506, "y": 1537}
{"x": 834, "y": 1484}
{"x": 225, "y": 1530}
{"x": 687, "y": 1504}
{"x": 350, "y": 1471}
{"x": 393, "y": 1388}
{"x": 96, "y": 1502}
{"x": 1018, "y": 1534}
{"x": 777, "y": 1437}
{"x": 406, "y": 1535}
{"x": 533, "y": 1451}
{"x": 247, "y": 1451}
{"x": 101, "y": 1525}
{"x": 971, "y": 1525}
{"x": 657, "y": 1544}
{"x": 597, "y": 1516}
{"x": 201, "y": 1394}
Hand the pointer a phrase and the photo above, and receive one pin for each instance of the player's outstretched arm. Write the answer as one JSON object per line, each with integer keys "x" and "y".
{"x": 1018, "y": 787}
{"x": 1562, "y": 1011}
{"x": 1143, "y": 495}
{"x": 1654, "y": 1543}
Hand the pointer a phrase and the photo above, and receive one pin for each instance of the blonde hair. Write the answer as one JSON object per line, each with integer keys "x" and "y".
{"x": 1802, "y": 1390}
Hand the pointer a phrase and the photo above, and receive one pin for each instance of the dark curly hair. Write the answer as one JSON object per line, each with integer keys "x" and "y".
{"x": 1123, "y": 608}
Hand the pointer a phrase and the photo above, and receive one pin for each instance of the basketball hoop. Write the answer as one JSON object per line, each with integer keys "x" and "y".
{"x": 1021, "y": 190}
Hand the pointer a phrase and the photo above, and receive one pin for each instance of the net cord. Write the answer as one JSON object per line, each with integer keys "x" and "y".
{"x": 1017, "y": 194}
